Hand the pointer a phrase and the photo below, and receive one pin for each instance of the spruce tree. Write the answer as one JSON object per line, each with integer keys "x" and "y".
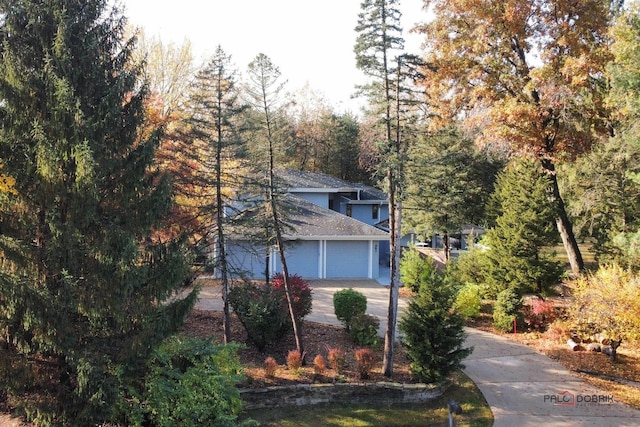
{"x": 88, "y": 263}
{"x": 433, "y": 333}
{"x": 525, "y": 224}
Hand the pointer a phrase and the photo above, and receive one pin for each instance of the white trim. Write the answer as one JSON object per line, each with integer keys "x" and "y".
{"x": 370, "y": 266}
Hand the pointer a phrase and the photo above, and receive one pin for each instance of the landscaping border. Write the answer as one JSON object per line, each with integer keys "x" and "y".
{"x": 357, "y": 393}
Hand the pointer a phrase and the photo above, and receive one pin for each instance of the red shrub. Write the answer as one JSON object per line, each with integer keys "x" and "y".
{"x": 365, "y": 361}
{"x": 301, "y": 293}
{"x": 337, "y": 359}
{"x": 539, "y": 314}
{"x": 270, "y": 366}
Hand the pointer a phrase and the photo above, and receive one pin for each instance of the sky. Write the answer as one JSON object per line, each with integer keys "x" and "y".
{"x": 311, "y": 42}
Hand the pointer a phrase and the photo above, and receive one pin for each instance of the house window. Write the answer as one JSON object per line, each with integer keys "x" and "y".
{"x": 349, "y": 210}
{"x": 375, "y": 210}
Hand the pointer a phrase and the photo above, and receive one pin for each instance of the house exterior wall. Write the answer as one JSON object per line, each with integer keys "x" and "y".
{"x": 246, "y": 260}
{"x": 312, "y": 259}
{"x": 320, "y": 199}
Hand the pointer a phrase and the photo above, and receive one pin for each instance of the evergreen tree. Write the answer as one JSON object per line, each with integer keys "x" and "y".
{"x": 88, "y": 264}
{"x": 433, "y": 333}
{"x": 378, "y": 43}
{"x": 448, "y": 183}
{"x": 216, "y": 120}
{"x": 523, "y": 226}
{"x": 264, "y": 95}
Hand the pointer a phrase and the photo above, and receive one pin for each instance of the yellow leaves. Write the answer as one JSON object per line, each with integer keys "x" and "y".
{"x": 7, "y": 183}
{"x": 608, "y": 301}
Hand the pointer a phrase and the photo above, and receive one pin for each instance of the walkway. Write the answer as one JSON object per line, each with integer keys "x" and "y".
{"x": 527, "y": 389}
{"x": 523, "y": 388}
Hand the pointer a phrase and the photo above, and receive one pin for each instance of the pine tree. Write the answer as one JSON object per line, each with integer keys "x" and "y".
{"x": 264, "y": 95}
{"x": 378, "y": 52}
{"x": 216, "y": 121}
{"x": 448, "y": 182}
{"x": 88, "y": 265}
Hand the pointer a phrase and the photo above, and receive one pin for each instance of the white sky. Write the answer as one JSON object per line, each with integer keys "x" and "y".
{"x": 311, "y": 41}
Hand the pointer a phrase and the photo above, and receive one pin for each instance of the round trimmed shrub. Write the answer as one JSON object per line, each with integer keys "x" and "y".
{"x": 348, "y": 303}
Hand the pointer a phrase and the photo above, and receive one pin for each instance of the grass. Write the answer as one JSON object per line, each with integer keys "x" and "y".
{"x": 476, "y": 412}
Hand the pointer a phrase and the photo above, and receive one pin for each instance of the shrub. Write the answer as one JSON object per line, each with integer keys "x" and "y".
{"x": 607, "y": 302}
{"x": 319, "y": 364}
{"x": 261, "y": 312}
{"x": 539, "y": 313}
{"x": 365, "y": 362}
{"x": 468, "y": 301}
{"x": 348, "y": 303}
{"x": 294, "y": 360}
{"x": 506, "y": 310}
{"x": 433, "y": 333}
{"x": 364, "y": 330}
{"x": 416, "y": 269}
{"x": 336, "y": 359}
{"x": 301, "y": 294}
{"x": 270, "y": 367}
{"x": 191, "y": 382}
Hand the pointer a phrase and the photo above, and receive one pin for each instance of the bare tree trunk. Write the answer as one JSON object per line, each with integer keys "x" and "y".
{"x": 563, "y": 223}
{"x": 394, "y": 283}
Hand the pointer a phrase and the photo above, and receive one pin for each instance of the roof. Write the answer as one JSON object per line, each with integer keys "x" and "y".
{"x": 312, "y": 222}
{"x": 313, "y": 180}
{"x": 304, "y": 181}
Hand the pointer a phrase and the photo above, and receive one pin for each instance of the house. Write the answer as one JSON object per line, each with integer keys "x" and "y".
{"x": 332, "y": 231}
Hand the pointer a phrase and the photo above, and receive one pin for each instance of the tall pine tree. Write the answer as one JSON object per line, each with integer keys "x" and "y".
{"x": 379, "y": 40}
{"x": 87, "y": 266}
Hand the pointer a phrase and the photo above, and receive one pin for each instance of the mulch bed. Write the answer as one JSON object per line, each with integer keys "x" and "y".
{"x": 317, "y": 339}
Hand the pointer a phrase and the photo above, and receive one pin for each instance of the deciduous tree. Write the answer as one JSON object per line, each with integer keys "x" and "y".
{"x": 527, "y": 74}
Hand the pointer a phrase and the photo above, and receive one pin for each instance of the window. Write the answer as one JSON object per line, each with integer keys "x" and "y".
{"x": 349, "y": 210}
{"x": 375, "y": 211}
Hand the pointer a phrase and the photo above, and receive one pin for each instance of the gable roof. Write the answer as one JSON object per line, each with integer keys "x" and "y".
{"x": 304, "y": 181}
{"x": 312, "y": 222}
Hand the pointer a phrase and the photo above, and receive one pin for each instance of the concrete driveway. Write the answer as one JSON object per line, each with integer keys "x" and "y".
{"x": 527, "y": 389}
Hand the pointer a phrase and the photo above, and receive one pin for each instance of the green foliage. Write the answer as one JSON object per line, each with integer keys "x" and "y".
{"x": 261, "y": 311}
{"x": 468, "y": 300}
{"x": 89, "y": 262}
{"x": 470, "y": 267}
{"x": 605, "y": 198}
{"x": 506, "y": 309}
{"x": 364, "y": 330}
{"x": 525, "y": 223}
{"x": 433, "y": 333}
{"x": 191, "y": 382}
{"x": 416, "y": 269}
{"x": 448, "y": 183}
{"x": 607, "y": 302}
{"x": 348, "y": 303}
